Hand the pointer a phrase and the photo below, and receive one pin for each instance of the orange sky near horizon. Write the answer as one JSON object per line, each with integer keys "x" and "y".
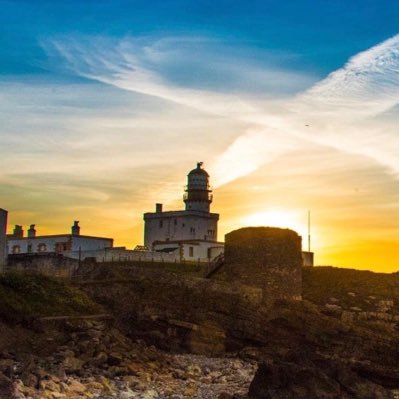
{"x": 349, "y": 228}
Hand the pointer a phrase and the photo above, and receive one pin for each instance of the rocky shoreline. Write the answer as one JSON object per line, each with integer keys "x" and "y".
{"x": 177, "y": 338}
{"x": 92, "y": 360}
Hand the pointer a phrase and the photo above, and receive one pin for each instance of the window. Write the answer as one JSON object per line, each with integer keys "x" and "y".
{"x": 160, "y": 224}
{"x": 61, "y": 246}
{"x": 16, "y": 249}
{"x": 42, "y": 247}
{"x": 175, "y": 222}
{"x": 191, "y": 252}
{"x": 29, "y": 248}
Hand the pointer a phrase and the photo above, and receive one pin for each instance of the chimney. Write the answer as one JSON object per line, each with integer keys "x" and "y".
{"x": 158, "y": 208}
{"x": 18, "y": 232}
{"x": 76, "y": 228}
{"x": 32, "y": 231}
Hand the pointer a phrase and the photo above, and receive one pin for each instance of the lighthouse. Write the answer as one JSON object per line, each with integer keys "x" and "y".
{"x": 198, "y": 194}
{"x": 192, "y": 231}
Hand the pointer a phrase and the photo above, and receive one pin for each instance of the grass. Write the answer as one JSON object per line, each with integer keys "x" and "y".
{"x": 27, "y": 295}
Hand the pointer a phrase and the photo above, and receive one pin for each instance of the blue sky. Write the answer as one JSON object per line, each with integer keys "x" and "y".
{"x": 292, "y": 105}
{"x": 321, "y": 34}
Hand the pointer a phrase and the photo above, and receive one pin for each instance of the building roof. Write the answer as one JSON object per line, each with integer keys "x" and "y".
{"x": 12, "y": 237}
{"x": 176, "y": 214}
{"x": 198, "y": 170}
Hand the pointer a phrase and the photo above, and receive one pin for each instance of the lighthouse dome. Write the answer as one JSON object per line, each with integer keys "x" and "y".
{"x": 198, "y": 170}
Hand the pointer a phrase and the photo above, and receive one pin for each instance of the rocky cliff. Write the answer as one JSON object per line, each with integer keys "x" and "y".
{"x": 291, "y": 337}
{"x": 157, "y": 334}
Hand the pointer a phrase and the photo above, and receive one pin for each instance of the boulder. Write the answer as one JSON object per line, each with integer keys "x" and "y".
{"x": 281, "y": 380}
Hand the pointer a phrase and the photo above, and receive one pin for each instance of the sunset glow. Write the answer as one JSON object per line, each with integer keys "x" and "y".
{"x": 102, "y": 117}
{"x": 275, "y": 218}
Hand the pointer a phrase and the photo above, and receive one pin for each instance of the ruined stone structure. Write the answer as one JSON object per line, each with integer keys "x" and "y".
{"x": 265, "y": 257}
{"x": 3, "y": 236}
{"x": 192, "y": 233}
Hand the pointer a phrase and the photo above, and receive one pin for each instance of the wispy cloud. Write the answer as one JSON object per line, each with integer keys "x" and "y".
{"x": 135, "y": 65}
{"x": 335, "y": 112}
{"x": 341, "y": 110}
{"x": 366, "y": 86}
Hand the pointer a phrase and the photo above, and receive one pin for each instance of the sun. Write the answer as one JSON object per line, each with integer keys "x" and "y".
{"x": 275, "y": 218}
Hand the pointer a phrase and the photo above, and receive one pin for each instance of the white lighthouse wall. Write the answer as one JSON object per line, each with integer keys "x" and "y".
{"x": 180, "y": 225}
{"x": 201, "y": 251}
{"x": 194, "y": 251}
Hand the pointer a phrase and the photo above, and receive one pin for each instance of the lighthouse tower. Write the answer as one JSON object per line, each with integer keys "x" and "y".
{"x": 197, "y": 196}
{"x": 191, "y": 232}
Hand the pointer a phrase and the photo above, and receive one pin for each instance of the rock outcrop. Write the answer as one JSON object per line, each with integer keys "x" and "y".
{"x": 319, "y": 379}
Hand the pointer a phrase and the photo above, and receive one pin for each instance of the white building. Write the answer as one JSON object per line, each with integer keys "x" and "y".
{"x": 192, "y": 232}
{"x": 58, "y": 243}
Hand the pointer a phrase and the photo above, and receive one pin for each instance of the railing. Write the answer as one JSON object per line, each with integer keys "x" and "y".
{"x": 198, "y": 196}
{"x": 215, "y": 265}
{"x": 198, "y": 186}
{"x": 88, "y": 268}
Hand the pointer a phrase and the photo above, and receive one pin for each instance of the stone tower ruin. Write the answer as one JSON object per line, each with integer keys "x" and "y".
{"x": 266, "y": 257}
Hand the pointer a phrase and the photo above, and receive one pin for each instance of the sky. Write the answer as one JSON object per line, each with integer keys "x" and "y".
{"x": 105, "y": 106}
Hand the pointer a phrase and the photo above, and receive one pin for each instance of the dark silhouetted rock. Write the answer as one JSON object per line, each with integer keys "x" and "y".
{"x": 283, "y": 380}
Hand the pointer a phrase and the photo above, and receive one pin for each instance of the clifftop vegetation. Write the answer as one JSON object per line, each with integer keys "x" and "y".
{"x": 27, "y": 295}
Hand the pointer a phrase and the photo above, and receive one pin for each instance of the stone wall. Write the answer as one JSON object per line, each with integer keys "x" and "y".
{"x": 52, "y": 265}
{"x": 265, "y": 257}
{"x": 122, "y": 255}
